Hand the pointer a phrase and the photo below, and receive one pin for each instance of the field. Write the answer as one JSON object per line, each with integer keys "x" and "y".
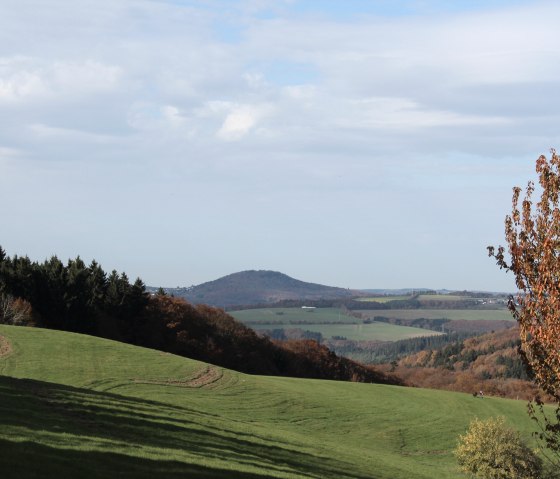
{"x": 361, "y": 332}
{"x": 383, "y": 299}
{"x": 77, "y": 406}
{"x": 452, "y": 314}
{"x": 327, "y": 321}
{"x": 292, "y": 316}
{"x": 441, "y": 297}
{"x": 335, "y": 322}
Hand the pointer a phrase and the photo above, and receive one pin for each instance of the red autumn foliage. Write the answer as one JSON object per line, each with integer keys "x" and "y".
{"x": 210, "y": 334}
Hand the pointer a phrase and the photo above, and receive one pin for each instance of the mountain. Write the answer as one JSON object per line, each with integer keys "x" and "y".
{"x": 257, "y": 287}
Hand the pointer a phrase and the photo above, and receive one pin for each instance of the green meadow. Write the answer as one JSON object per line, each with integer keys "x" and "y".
{"x": 327, "y": 321}
{"x": 383, "y": 299}
{"x": 336, "y": 322}
{"x": 78, "y": 406}
{"x": 452, "y": 314}
{"x": 375, "y": 331}
{"x": 287, "y": 316}
{"x": 441, "y": 297}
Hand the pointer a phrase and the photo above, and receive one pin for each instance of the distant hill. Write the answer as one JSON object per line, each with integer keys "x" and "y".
{"x": 257, "y": 287}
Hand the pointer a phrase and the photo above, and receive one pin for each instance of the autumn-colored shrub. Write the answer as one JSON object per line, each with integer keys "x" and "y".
{"x": 15, "y": 311}
{"x": 492, "y": 450}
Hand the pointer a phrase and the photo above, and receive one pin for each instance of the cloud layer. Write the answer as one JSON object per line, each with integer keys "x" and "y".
{"x": 360, "y": 147}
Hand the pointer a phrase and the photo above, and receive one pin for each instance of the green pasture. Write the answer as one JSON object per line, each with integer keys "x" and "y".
{"x": 360, "y": 332}
{"x": 383, "y": 299}
{"x": 441, "y": 297}
{"x": 292, "y": 316}
{"x": 452, "y": 314}
{"x": 78, "y": 406}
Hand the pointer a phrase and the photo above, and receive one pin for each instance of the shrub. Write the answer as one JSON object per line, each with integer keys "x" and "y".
{"x": 15, "y": 311}
{"x": 491, "y": 450}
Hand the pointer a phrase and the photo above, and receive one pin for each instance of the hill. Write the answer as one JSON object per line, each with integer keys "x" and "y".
{"x": 257, "y": 287}
{"x": 78, "y": 406}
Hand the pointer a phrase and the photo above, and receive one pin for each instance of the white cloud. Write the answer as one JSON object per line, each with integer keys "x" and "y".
{"x": 237, "y": 124}
{"x": 402, "y": 114}
{"x": 240, "y": 120}
{"x": 25, "y": 79}
{"x": 84, "y": 77}
{"x": 173, "y": 116}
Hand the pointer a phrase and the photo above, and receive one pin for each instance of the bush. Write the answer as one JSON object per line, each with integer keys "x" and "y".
{"x": 491, "y": 450}
{"x": 15, "y": 311}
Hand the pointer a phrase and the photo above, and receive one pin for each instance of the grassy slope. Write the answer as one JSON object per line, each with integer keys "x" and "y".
{"x": 78, "y": 406}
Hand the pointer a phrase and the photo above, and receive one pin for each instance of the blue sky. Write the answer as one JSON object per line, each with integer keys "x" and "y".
{"x": 362, "y": 144}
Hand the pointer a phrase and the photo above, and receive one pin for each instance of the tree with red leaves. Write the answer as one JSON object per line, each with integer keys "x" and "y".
{"x": 532, "y": 233}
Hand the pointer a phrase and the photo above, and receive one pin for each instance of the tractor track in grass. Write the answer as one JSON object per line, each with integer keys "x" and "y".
{"x": 202, "y": 378}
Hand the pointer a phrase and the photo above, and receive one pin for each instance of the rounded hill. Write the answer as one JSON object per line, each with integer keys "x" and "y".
{"x": 258, "y": 287}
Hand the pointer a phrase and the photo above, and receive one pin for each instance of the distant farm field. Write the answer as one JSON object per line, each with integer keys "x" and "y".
{"x": 330, "y": 322}
{"x": 452, "y": 314}
{"x": 360, "y": 332}
{"x": 383, "y": 299}
{"x": 292, "y": 316}
{"x": 336, "y": 322}
{"x": 441, "y": 297}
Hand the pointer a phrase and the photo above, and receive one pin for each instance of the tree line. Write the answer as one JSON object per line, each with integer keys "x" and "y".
{"x": 73, "y": 296}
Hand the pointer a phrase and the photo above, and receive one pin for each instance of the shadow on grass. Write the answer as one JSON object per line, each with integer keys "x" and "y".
{"x": 67, "y": 417}
{"x": 31, "y": 460}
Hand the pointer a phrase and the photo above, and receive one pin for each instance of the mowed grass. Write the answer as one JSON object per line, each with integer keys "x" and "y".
{"x": 452, "y": 314}
{"x": 375, "y": 331}
{"x": 78, "y": 406}
{"x": 290, "y": 316}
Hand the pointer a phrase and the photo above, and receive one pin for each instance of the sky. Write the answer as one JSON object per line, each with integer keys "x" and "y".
{"x": 360, "y": 144}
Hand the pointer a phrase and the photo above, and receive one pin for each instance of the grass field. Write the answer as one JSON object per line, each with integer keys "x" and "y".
{"x": 453, "y": 314}
{"x": 326, "y": 321}
{"x": 290, "y": 316}
{"x": 383, "y": 299}
{"x": 361, "y": 332}
{"x": 441, "y": 297}
{"x": 77, "y": 406}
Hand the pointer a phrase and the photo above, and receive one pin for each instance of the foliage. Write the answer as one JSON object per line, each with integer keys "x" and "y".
{"x": 72, "y": 297}
{"x": 491, "y": 450}
{"x": 533, "y": 237}
{"x": 374, "y": 352}
{"x": 532, "y": 234}
{"x": 15, "y": 311}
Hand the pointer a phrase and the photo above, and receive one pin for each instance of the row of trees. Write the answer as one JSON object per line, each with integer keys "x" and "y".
{"x": 72, "y": 296}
